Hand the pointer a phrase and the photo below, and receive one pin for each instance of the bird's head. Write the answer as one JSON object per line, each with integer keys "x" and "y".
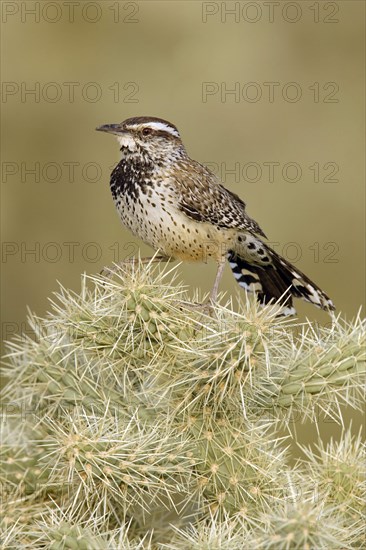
{"x": 148, "y": 136}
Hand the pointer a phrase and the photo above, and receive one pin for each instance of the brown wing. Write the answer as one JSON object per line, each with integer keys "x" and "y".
{"x": 204, "y": 199}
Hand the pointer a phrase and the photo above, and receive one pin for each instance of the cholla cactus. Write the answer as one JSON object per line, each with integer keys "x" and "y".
{"x": 132, "y": 420}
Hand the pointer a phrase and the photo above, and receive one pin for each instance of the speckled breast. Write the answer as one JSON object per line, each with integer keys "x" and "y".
{"x": 149, "y": 207}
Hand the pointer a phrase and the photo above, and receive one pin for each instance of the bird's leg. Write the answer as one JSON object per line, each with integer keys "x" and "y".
{"x": 215, "y": 288}
{"x": 110, "y": 271}
{"x": 206, "y": 307}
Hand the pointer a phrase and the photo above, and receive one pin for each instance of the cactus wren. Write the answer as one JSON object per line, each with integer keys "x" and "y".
{"x": 176, "y": 205}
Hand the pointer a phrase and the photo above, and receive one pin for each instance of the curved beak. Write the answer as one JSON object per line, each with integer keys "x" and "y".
{"x": 110, "y": 128}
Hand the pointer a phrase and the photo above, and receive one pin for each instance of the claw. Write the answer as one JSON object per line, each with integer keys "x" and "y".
{"x": 206, "y": 308}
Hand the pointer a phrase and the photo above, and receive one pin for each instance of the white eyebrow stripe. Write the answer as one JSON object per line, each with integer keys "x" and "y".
{"x": 160, "y": 126}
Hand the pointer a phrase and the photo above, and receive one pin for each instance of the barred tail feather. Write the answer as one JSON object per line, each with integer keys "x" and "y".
{"x": 277, "y": 280}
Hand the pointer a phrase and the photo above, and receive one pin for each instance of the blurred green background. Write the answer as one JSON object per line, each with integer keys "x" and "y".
{"x": 291, "y": 132}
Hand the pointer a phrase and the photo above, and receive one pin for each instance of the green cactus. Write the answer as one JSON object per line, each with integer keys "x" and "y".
{"x": 134, "y": 420}
{"x": 336, "y": 473}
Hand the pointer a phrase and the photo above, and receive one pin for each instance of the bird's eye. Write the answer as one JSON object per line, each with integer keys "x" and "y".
{"x": 146, "y": 131}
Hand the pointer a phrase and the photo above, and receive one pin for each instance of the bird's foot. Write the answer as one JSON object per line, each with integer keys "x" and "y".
{"x": 206, "y": 308}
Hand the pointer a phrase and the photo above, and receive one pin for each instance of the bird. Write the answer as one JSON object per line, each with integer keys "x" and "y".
{"x": 178, "y": 206}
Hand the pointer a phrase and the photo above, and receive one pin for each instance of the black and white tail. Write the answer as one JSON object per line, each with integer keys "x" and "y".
{"x": 259, "y": 269}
